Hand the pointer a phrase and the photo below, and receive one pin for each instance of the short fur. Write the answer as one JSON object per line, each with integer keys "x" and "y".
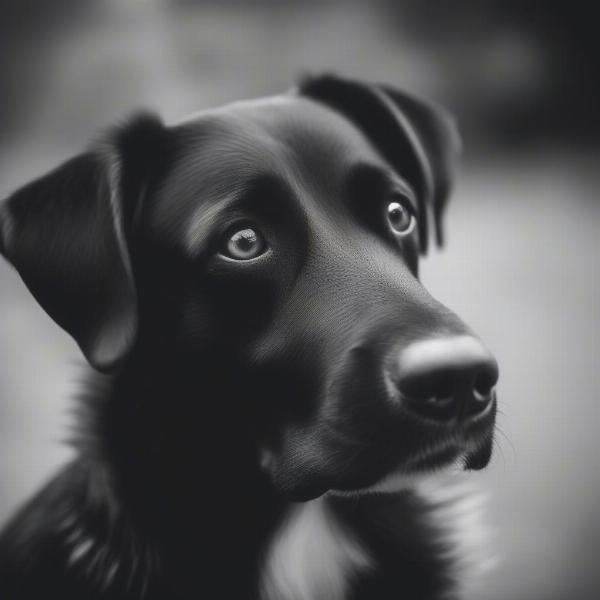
{"x": 238, "y": 410}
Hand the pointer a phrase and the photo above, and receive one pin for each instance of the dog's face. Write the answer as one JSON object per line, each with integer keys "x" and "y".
{"x": 276, "y": 241}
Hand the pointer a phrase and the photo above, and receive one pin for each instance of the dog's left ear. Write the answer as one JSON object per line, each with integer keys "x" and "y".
{"x": 417, "y": 138}
{"x": 67, "y": 235}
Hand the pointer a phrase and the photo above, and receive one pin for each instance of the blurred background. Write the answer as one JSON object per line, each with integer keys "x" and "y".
{"x": 522, "y": 259}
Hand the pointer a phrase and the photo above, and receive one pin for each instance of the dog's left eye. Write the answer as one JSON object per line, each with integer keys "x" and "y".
{"x": 400, "y": 218}
{"x": 244, "y": 244}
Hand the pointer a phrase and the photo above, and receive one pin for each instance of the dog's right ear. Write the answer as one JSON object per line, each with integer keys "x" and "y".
{"x": 67, "y": 235}
{"x": 418, "y": 138}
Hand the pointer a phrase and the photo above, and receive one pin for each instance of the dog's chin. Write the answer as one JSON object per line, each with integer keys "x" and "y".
{"x": 403, "y": 479}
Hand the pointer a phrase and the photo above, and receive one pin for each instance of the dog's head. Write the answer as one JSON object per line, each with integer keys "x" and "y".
{"x": 273, "y": 245}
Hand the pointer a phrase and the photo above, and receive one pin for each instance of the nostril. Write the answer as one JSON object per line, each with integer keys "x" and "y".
{"x": 426, "y": 386}
{"x": 483, "y": 385}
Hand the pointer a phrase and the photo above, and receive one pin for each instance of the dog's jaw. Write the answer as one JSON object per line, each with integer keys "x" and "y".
{"x": 400, "y": 481}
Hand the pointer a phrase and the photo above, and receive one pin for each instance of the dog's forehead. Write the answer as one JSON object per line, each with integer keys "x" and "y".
{"x": 305, "y": 127}
{"x": 219, "y": 152}
{"x": 298, "y": 125}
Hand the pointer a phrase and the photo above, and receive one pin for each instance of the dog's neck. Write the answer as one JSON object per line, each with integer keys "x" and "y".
{"x": 193, "y": 485}
{"x": 180, "y": 466}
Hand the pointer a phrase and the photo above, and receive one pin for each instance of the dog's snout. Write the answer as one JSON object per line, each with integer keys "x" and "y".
{"x": 447, "y": 378}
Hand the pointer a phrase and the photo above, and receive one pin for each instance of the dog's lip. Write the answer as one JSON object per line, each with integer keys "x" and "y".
{"x": 450, "y": 445}
{"x": 448, "y": 454}
{"x": 450, "y": 451}
{"x": 405, "y": 479}
{"x": 408, "y": 476}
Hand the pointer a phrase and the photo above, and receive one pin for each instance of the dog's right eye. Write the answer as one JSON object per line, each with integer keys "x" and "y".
{"x": 400, "y": 218}
{"x": 244, "y": 244}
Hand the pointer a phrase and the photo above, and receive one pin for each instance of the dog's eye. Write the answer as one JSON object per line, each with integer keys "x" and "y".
{"x": 400, "y": 218}
{"x": 244, "y": 244}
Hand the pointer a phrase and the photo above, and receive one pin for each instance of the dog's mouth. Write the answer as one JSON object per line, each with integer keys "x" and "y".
{"x": 466, "y": 446}
{"x": 382, "y": 456}
{"x": 446, "y": 458}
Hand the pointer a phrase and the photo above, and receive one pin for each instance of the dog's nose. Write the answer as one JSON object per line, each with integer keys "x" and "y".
{"x": 446, "y": 378}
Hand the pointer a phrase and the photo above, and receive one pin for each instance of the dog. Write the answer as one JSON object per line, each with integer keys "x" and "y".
{"x": 270, "y": 380}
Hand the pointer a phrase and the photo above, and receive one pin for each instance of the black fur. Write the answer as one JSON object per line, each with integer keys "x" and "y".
{"x": 226, "y": 391}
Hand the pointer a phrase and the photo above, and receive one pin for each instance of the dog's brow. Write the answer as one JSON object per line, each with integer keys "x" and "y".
{"x": 366, "y": 178}
{"x": 266, "y": 191}
{"x": 266, "y": 194}
{"x": 261, "y": 193}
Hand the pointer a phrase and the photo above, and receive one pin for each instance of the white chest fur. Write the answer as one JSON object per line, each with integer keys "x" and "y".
{"x": 311, "y": 557}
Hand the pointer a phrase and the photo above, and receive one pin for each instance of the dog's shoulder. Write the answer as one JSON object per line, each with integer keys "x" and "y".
{"x": 68, "y": 542}
{"x": 34, "y": 544}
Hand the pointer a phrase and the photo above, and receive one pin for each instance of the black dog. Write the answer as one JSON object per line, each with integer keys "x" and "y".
{"x": 271, "y": 375}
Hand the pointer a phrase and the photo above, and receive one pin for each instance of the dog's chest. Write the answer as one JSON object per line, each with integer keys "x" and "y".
{"x": 311, "y": 557}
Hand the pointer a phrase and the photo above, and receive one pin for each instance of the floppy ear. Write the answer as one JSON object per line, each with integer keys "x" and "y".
{"x": 66, "y": 234}
{"x": 417, "y": 138}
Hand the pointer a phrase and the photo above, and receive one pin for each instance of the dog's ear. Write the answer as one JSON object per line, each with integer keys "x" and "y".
{"x": 67, "y": 232}
{"x": 417, "y": 138}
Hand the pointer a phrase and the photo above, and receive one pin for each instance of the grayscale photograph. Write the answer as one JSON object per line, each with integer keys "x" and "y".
{"x": 299, "y": 300}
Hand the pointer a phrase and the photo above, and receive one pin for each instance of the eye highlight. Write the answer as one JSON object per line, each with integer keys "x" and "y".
{"x": 400, "y": 218}
{"x": 245, "y": 243}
